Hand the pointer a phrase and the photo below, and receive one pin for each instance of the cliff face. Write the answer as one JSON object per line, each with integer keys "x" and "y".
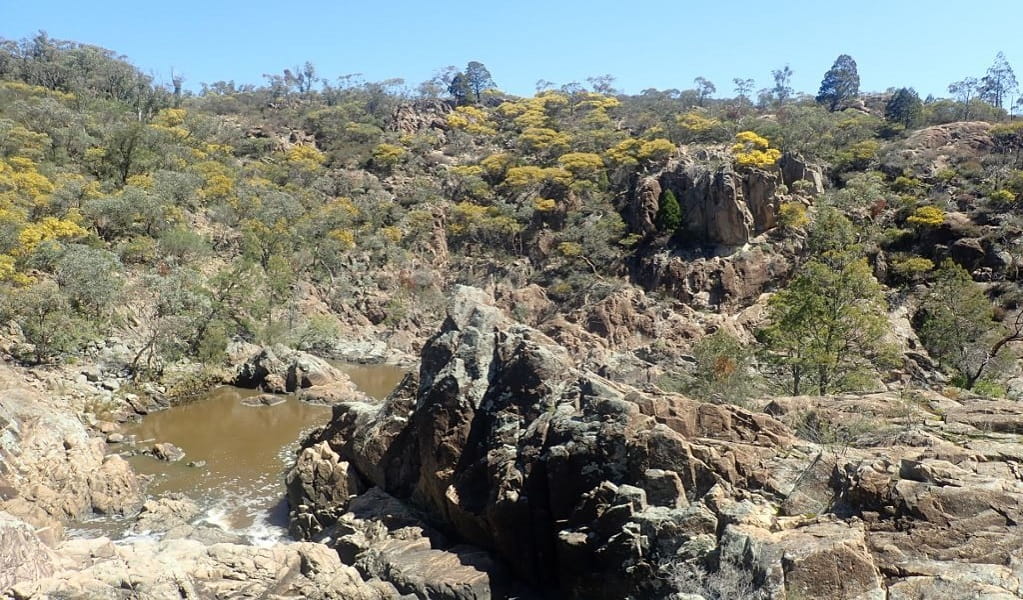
{"x": 599, "y": 490}
{"x": 720, "y": 205}
{"x": 719, "y": 257}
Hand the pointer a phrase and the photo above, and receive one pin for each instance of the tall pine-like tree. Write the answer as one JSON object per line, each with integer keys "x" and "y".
{"x": 841, "y": 83}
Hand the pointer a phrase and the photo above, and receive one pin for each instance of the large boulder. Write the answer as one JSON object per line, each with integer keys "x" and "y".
{"x": 278, "y": 369}
{"x": 50, "y": 463}
{"x": 719, "y": 204}
{"x": 506, "y": 444}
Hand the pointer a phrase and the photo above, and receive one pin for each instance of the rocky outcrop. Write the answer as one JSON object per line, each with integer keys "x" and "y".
{"x": 599, "y": 490}
{"x": 174, "y": 569}
{"x": 51, "y": 469}
{"x": 720, "y": 205}
{"x": 574, "y": 481}
{"x": 419, "y": 115}
{"x": 931, "y": 149}
{"x": 280, "y": 370}
{"x": 643, "y": 209}
{"x": 711, "y": 282}
{"x": 796, "y": 171}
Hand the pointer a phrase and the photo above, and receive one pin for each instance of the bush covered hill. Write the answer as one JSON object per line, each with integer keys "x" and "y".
{"x": 640, "y": 231}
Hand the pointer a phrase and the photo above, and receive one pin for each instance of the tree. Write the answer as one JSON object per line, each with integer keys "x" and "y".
{"x": 959, "y": 327}
{"x": 998, "y": 85}
{"x": 964, "y": 90}
{"x": 704, "y": 88}
{"x": 459, "y": 88}
{"x": 743, "y": 88}
{"x": 827, "y": 327}
{"x": 669, "y": 213}
{"x": 904, "y": 107}
{"x": 841, "y": 83}
{"x": 45, "y": 318}
{"x": 782, "y": 89}
{"x": 478, "y": 78}
{"x": 89, "y": 278}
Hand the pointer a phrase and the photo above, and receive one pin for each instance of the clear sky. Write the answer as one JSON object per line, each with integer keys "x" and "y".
{"x": 644, "y": 43}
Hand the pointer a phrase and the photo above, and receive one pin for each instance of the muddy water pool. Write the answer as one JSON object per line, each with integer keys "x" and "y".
{"x": 246, "y": 451}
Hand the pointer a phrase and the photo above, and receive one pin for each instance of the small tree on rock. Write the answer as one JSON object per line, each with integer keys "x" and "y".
{"x": 827, "y": 327}
{"x": 669, "y": 213}
{"x": 959, "y": 327}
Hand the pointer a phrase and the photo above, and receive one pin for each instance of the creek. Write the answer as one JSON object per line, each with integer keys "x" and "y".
{"x": 246, "y": 451}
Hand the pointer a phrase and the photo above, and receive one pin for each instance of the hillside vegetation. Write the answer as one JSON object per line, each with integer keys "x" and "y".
{"x": 310, "y": 211}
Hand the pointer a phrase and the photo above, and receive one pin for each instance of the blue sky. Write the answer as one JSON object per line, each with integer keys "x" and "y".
{"x": 661, "y": 44}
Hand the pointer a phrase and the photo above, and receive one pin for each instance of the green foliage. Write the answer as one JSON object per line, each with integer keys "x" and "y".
{"x": 958, "y": 326}
{"x": 752, "y": 150}
{"x": 1003, "y": 197}
{"x": 792, "y": 215}
{"x": 904, "y": 108}
{"x": 827, "y": 327}
{"x": 669, "y": 213}
{"x": 841, "y": 83}
{"x": 927, "y": 216}
{"x": 46, "y": 319}
{"x": 913, "y": 268}
{"x": 90, "y": 279}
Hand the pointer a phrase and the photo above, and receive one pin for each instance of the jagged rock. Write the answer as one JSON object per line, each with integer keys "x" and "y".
{"x": 49, "y": 460}
{"x": 643, "y": 210}
{"x": 494, "y": 394}
{"x": 319, "y": 488}
{"x": 23, "y": 556}
{"x": 422, "y": 114}
{"x": 826, "y": 561}
{"x": 716, "y": 282}
{"x": 719, "y": 205}
{"x": 596, "y": 489}
{"x": 794, "y": 168}
{"x": 287, "y": 369}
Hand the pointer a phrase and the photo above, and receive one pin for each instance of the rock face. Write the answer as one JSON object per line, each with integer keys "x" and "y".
{"x": 23, "y": 556}
{"x": 643, "y": 210}
{"x": 710, "y": 282}
{"x": 419, "y": 115}
{"x": 51, "y": 470}
{"x": 507, "y": 445}
{"x": 797, "y": 171}
{"x": 590, "y": 489}
{"x": 719, "y": 204}
{"x": 187, "y": 569}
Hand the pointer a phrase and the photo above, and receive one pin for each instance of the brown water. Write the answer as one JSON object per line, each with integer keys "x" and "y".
{"x": 247, "y": 450}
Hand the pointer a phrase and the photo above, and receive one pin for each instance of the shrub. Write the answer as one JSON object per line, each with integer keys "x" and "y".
{"x": 927, "y": 216}
{"x": 792, "y": 215}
